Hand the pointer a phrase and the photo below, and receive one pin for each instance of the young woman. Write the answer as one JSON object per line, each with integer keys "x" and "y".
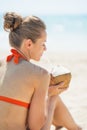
{"x": 26, "y": 100}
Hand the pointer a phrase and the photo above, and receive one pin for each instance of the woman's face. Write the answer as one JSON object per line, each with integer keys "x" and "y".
{"x": 38, "y": 47}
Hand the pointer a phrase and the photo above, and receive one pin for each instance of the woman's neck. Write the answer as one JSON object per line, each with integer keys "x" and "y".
{"x": 23, "y": 52}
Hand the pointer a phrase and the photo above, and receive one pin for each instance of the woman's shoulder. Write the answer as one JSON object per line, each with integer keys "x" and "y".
{"x": 34, "y": 69}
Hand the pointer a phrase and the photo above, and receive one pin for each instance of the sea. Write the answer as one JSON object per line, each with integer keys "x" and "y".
{"x": 64, "y": 32}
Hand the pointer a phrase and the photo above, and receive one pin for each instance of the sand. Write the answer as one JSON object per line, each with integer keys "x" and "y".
{"x": 75, "y": 97}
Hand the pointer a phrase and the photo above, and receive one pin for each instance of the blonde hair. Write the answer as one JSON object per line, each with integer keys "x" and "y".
{"x": 20, "y": 28}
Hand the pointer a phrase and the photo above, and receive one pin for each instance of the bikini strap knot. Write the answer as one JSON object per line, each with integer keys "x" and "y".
{"x": 16, "y": 55}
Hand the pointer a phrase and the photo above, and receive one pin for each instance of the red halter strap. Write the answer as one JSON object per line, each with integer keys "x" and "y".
{"x": 14, "y": 101}
{"x": 16, "y": 55}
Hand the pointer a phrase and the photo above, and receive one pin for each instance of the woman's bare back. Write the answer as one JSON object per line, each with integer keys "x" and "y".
{"x": 17, "y": 82}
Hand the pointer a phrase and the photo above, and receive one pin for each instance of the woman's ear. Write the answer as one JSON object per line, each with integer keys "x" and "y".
{"x": 28, "y": 43}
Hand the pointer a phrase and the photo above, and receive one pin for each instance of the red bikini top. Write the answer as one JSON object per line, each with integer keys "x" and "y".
{"x": 14, "y": 101}
{"x": 16, "y": 55}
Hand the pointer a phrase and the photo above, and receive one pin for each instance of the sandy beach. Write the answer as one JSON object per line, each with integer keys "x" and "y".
{"x": 75, "y": 97}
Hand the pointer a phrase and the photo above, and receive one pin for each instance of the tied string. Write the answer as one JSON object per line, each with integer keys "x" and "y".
{"x": 16, "y": 55}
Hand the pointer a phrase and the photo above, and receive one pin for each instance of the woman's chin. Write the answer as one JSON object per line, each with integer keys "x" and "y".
{"x": 37, "y": 59}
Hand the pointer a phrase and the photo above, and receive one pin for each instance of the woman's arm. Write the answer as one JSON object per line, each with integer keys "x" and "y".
{"x": 37, "y": 111}
{"x": 51, "y": 107}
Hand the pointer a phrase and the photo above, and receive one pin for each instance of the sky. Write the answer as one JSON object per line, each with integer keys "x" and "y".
{"x": 54, "y": 8}
{"x": 45, "y": 6}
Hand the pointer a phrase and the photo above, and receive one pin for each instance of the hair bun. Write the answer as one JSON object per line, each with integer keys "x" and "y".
{"x": 12, "y": 21}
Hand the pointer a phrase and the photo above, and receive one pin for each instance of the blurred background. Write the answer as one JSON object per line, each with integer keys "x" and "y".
{"x": 66, "y": 22}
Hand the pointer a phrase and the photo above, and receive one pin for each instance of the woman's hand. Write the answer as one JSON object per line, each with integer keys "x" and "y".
{"x": 56, "y": 89}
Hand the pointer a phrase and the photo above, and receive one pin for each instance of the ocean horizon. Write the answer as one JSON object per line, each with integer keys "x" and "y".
{"x": 64, "y": 32}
